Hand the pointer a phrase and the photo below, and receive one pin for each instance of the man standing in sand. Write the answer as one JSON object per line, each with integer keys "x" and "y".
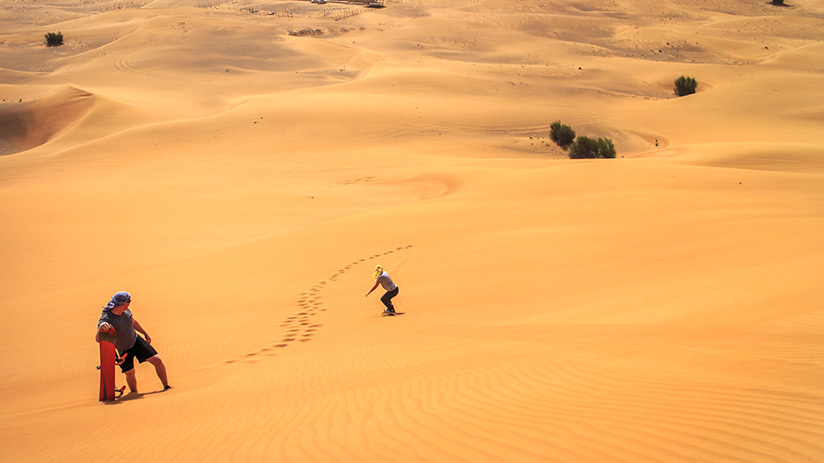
{"x": 382, "y": 278}
{"x": 117, "y": 315}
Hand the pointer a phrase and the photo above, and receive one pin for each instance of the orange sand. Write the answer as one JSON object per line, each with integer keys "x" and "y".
{"x": 241, "y": 174}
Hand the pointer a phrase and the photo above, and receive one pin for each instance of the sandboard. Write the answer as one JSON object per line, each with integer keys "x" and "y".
{"x": 108, "y": 360}
{"x": 391, "y": 314}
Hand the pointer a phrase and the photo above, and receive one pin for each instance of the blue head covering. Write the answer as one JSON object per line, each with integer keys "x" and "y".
{"x": 119, "y": 298}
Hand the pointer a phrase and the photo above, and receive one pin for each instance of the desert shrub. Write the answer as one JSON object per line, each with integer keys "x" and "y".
{"x": 591, "y": 148}
{"x": 685, "y": 86}
{"x": 777, "y": 2}
{"x": 306, "y": 32}
{"x": 562, "y": 135}
{"x": 54, "y": 40}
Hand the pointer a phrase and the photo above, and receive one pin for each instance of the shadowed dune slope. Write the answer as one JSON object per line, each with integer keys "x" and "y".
{"x": 27, "y": 125}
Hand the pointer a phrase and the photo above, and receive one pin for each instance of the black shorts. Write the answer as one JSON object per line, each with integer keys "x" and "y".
{"x": 141, "y": 350}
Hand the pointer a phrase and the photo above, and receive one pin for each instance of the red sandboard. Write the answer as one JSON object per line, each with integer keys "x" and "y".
{"x": 108, "y": 356}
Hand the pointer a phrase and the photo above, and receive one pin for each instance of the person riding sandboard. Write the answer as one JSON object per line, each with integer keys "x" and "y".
{"x": 382, "y": 278}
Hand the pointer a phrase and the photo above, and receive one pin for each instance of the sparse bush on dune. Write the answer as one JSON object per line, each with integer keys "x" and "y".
{"x": 685, "y": 86}
{"x": 778, "y": 2}
{"x": 54, "y": 39}
{"x": 562, "y": 135}
{"x": 306, "y": 32}
{"x": 590, "y": 148}
{"x": 581, "y": 147}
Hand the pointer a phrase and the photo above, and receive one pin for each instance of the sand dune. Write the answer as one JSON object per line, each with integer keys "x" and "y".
{"x": 241, "y": 173}
{"x": 32, "y": 124}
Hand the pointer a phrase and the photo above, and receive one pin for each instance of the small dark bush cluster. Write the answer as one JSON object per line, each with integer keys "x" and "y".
{"x": 591, "y": 148}
{"x": 581, "y": 147}
{"x": 54, "y": 40}
{"x": 685, "y": 86}
{"x": 777, "y": 2}
{"x": 562, "y": 135}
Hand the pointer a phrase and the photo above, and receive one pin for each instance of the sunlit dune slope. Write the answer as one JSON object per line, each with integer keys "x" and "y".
{"x": 241, "y": 167}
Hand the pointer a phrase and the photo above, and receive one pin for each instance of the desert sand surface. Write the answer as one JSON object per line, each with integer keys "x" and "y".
{"x": 240, "y": 167}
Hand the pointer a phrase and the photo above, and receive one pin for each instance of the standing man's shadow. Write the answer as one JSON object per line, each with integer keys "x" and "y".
{"x": 132, "y": 396}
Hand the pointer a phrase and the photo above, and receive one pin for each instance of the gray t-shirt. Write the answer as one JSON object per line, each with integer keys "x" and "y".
{"x": 126, "y": 335}
{"x": 387, "y": 282}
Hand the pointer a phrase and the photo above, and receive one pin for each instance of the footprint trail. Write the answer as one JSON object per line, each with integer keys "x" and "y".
{"x": 301, "y": 326}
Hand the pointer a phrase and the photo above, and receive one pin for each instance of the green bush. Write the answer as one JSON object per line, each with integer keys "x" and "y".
{"x": 54, "y": 40}
{"x": 685, "y": 86}
{"x": 562, "y": 135}
{"x": 590, "y": 148}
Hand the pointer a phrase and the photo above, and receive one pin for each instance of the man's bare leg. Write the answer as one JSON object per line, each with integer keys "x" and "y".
{"x": 160, "y": 368}
{"x": 131, "y": 380}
